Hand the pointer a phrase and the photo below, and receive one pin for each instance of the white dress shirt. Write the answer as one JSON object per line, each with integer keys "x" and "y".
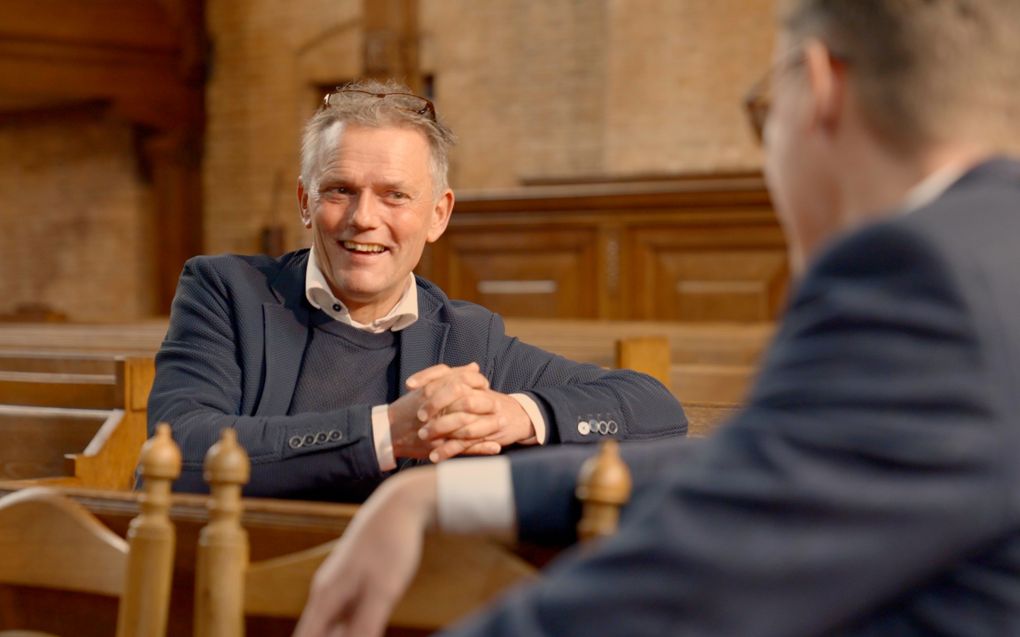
{"x": 400, "y": 316}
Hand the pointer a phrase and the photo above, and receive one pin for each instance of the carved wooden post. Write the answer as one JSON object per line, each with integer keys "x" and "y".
{"x": 145, "y": 601}
{"x": 603, "y": 486}
{"x": 223, "y": 544}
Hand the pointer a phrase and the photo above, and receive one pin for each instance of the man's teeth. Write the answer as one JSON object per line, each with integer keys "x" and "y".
{"x": 363, "y": 247}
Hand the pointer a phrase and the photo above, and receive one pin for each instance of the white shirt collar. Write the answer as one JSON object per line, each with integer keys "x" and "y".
{"x": 321, "y": 297}
{"x": 932, "y": 187}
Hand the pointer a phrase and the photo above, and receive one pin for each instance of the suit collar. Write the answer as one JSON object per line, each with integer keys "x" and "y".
{"x": 999, "y": 168}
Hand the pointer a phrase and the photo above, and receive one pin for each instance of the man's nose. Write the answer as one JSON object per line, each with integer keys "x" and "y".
{"x": 364, "y": 212}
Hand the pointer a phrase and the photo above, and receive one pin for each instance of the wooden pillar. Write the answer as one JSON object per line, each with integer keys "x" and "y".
{"x": 391, "y": 41}
{"x": 223, "y": 543}
{"x": 603, "y": 487}
{"x": 174, "y": 160}
{"x": 146, "y": 599}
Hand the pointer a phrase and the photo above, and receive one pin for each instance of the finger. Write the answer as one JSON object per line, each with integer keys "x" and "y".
{"x": 440, "y": 426}
{"x": 477, "y": 427}
{"x": 475, "y": 402}
{"x": 430, "y": 374}
{"x": 447, "y": 450}
{"x": 370, "y": 617}
{"x": 452, "y": 448}
{"x": 427, "y": 375}
{"x": 482, "y": 448}
{"x": 322, "y": 613}
{"x": 440, "y": 394}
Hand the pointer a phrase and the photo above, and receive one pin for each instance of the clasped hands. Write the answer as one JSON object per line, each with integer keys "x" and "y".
{"x": 449, "y": 411}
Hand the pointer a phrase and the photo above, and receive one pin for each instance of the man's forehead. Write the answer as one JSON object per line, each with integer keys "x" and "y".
{"x": 402, "y": 140}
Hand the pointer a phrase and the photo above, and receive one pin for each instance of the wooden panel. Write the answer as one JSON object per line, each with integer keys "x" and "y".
{"x": 84, "y": 391}
{"x": 705, "y": 418}
{"x": 33, "y": 441}
{"x": 710, "y": 383}
{"x": 691, "y": 249}
{"x": 521, "y": 272}
{"x": 704, "y": 274}
{"x": 54, "y": 362}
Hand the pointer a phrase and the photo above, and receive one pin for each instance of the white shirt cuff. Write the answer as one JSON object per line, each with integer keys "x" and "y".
{"x": 531, "y": 408}
{"x": 476, "y": 496}
{"x": 382, "y": 438}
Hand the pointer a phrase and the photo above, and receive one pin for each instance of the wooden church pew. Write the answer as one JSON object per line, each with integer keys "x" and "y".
{"x": 73, "y": 427}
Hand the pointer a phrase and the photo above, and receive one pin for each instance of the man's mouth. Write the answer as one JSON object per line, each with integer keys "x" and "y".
{"x": 362, "y": 248}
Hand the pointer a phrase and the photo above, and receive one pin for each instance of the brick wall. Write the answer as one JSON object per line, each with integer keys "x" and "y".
{"x": 554, "y": 90}
{"x": 74, "y": 219}
{"x": 535, "y": 90}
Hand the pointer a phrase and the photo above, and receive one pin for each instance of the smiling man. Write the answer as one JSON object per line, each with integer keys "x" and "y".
{"x": 336, "y": 364}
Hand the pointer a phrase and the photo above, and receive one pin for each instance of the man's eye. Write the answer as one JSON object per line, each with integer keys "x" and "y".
{"x": 396, "y": 194}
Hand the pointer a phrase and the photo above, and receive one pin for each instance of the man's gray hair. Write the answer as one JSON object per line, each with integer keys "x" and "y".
{"x": 360, "y": 106}
{"x": 925, "y": 70}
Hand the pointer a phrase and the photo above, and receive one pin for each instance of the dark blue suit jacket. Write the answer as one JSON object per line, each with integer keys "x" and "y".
{"x": 870, "y": 487}
{"x": 233, "y": 351}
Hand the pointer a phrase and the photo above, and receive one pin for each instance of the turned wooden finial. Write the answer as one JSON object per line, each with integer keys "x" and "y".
{"x": 160, "y": 458}
{"x": 603, "y": 486}
{"x": 222, "y": 543}
{"x": 144, "y": 606}
{"x": 226, "y": 462}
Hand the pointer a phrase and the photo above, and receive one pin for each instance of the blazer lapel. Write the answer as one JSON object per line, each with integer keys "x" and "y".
{"x": 285, "y": 338}
{"x": 423, "y": 343}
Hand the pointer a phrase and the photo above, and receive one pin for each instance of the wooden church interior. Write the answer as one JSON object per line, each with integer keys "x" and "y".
{"x": 135, "y": 135}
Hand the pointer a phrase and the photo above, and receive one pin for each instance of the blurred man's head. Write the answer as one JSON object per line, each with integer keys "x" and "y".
{"x": 373, "y": 191}
{"x": 872, "y": 95}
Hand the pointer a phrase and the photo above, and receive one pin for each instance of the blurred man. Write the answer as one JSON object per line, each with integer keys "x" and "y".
{"x": 336, "y": 365}
{"x": 869, "y": 487}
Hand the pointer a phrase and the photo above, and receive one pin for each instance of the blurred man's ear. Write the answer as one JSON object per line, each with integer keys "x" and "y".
{"x": 302, "y": 201}
{"x": 440, "y": 216}
{"x": 827, "y": 83}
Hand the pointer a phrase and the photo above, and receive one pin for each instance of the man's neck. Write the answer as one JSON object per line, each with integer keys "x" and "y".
{"x": 878, "y": 186}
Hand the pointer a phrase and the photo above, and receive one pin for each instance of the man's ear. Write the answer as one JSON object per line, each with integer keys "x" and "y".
{"x": 440, "y": 216}
{"x": 302, "y": 202}
{"x": 827, "y": 82}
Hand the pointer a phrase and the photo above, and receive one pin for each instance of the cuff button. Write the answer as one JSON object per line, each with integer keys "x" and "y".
{"x": 295, "y": 442}
{"x": 321, "y": 437}
{"x": 583, "y": 427}
{"x": 335, "y": 435}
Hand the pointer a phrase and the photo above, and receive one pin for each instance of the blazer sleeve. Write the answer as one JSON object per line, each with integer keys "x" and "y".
{"x": 870, "y": 460}
{"x": 198, "y": 390}
{"x": 583, "y": 402}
